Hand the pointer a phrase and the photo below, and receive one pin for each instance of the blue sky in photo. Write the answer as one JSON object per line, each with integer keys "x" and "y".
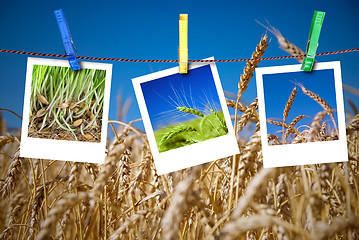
{"x": 149, "y": 30}
{"x": 195, "y": 90}
{"x": 278, "y": 87}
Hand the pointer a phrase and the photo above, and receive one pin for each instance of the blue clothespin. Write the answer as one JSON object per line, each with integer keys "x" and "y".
{"x": 67, "y": 40}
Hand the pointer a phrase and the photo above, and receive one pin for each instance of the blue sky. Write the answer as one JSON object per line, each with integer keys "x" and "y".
{"x": 149, "y": 30}
{"x": 278, "y": 87}
{"x": 195, "y": 90}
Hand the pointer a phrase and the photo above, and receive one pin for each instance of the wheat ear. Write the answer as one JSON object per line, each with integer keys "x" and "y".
{"x": 190, "y": 111}
{"x": 234, "y": 229}
{"x": 74, "y": 175}
{"x": 183, "y": 198}
{"x": 255, "y": 187}
{"x": 57, "y": 211}
{"x": 109, "y": 166}
{"x": 320, "y": 101}
{"x": 251, "y": 65}
{"x": 286, "y": 45}
{"x": 248, "y": 161}
{"x": 232, "y": 104}
{"x": 288, "y": 105}
{"x": 292, "y": 124}
{"x": 338, "y": 224}
{"x": 175, "y": 132}
{"x": 242, "y": 86}
{"x": 12, "y": 175}
{"x": 6, "y": 139}
{"x": 354, "y": 124}
{"x": 16, "y": 205}
{"x": 315, "y": 126}
{"x": 221, "y": 120}
{"x": 248, "y": 113}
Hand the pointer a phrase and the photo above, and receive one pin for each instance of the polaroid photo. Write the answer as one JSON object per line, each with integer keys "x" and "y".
{"x": 185, "y": 117}
{"x": 302, "y": 116}
{"x": 65, "y": 112}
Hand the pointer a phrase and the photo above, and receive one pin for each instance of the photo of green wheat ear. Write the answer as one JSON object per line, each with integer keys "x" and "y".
{"x": 202, "y": 128}
{"x": 66, "y": 104}
{"x": 233, "y": 198}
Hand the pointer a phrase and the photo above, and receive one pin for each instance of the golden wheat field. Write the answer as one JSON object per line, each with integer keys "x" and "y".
{"x": 231, "y": 198}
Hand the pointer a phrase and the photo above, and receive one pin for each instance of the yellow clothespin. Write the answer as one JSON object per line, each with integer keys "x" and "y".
{"x": 183, "y": 43}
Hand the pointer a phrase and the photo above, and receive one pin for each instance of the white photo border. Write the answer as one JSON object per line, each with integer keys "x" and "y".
{"x": 92, "y": 152}
{"x": 194, "y": 154}
{"x": 303, "y": 153}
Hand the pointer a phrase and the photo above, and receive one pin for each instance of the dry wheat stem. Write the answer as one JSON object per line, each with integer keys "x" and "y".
{"x": 254, "y": 187}
{"x": 181, "y": 201}
{"x": 109, "y": 166}
{"x": 57, "y": 211}
{"x": 338, "y": 224}
{"x": 242, "y": 86}
{"x": 233, "y": 229}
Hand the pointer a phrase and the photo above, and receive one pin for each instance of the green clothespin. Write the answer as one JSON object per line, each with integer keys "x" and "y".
{"x": 313, "y": 40}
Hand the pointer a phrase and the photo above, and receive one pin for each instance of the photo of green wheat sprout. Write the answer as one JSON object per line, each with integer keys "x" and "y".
{"x": 66, "y": 104}
{"x": 229, "y": 198}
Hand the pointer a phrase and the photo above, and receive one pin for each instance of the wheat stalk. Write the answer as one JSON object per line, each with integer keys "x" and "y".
{"x": 242, "y": 86}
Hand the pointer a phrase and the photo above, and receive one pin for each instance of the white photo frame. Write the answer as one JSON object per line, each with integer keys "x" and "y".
{"x": 302, "y": 153}
{"x": 66, "y": 150}
{"x": 193, "y": 154}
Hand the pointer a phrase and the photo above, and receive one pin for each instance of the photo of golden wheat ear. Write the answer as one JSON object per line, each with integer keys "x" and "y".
{"x": 318, "y": 130}
{"x": 66, "y": 104}
{"x": 230, "y": 198}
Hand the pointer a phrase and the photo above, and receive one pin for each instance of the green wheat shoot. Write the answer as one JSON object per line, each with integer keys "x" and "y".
{"x": 66, "y": 104}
